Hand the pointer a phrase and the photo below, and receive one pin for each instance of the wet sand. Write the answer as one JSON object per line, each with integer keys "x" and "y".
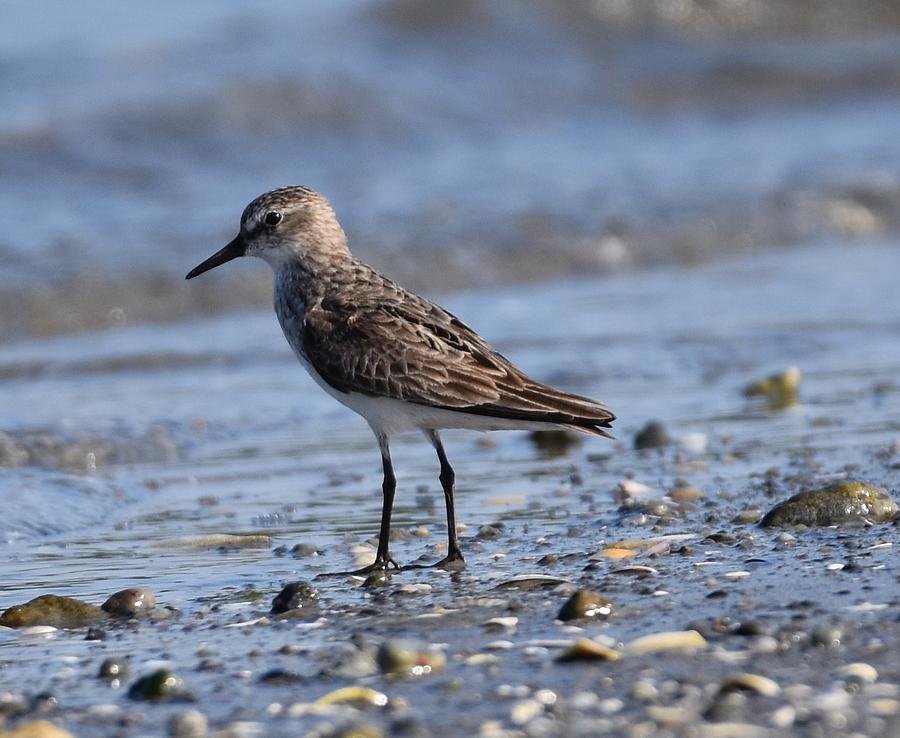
{"x": 137, "y": 455}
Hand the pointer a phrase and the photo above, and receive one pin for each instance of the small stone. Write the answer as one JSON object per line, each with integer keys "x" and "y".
{"x": 293, "y": 596}
{"x": 686, "y": 640}
{"x": 95, "y": 634}
{"x": 826, "y": 636}
{"x": 488, "y": 533}
{"x": 187, "y": 724}
{"x": 836, "y": 504}
{"x": 354, "y": 696}
{"x": 130, "y": 602}
{"x": 583, "y": 604}
{"x": 779, "y": 390}
{"x": 548, "y": 560}
{"x": 652, "y": 435}
{"x": 748, "y": 517}
{"x": 554, "y": 443}
{"x": 36, "y": 729}
{"x": 158, "y": 686}
{"x": 112, "y": 668}
{"x": 52, "y": 610}
{"x": 584, "y": 649}
{"x": 858, "y": 672}
{"x": 377, "y": 579}
{"x": 303, "y": 550}
{"x": 402, "y": 658}
{"x": 524, "y": 711}
{"x": 754, "y": 683}
{"x": 686, "y": 494}
{"x": 279, "y": 676}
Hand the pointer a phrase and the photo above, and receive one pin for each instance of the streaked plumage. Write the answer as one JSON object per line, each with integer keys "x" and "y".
{"x": 397, "y": 359}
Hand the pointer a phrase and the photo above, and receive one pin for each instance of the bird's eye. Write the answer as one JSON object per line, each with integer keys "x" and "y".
{"x": 272, "y": 219}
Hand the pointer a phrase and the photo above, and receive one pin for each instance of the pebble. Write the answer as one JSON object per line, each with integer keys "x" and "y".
{"x": 858, "y": 672}
{"x": 780, "y": 390}
{"x": 525, "y": 711}
{"x": 303, "y": 550}
{"x": 652, "y": 435}
{"x": 355, "y": 696}
{"x": 751, "y": 683}
{"x": 686, "y": 640}
{"x": 293, "y": 596}
{"x": 584, "y": 604}
{"x": 130, "y": 602}
{"x": 36, "y": 729}
{"x": 400, "y": 657}
{"x": 585, "y": 649}
{"x": 187, "y": 724}
{"x": 112, "y": 668}
{"x": 504, "y": 624}
{"x": 554, "y": 442}
{"x": 686, "y": 494}
{"x": 158, "y": 686}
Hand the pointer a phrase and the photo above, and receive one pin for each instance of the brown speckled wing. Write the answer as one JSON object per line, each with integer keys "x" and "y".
{"x": 406, "y": 348}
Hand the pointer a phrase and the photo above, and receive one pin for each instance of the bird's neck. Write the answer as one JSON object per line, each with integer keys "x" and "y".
{"x": 311, "y": 279}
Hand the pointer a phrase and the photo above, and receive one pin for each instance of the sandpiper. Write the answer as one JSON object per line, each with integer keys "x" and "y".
{"x": 397, "y": 359}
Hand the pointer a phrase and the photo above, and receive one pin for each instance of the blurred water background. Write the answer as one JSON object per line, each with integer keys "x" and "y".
{"x": 469, "y": 143}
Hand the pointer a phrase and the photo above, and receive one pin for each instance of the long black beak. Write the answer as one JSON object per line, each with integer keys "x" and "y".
{"x": 235, "y": 248}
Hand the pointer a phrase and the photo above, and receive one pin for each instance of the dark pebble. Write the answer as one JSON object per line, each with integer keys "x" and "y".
{"x": 95, "y": 634}
{"x": 294, "y": 595}
{"x": 130, "y": 602}
{"x": 652, "y": 435}
{"x": 159, "y": 686}
{"x": 279, "y": 676}
{"x": 554, "y": 443}
{"x": 58, "y": 612}
{"x": 584, "y": 604}
{"x": 112, "y": 668}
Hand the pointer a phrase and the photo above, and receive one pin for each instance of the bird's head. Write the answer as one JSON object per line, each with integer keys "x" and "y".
{"x": 288, "y": 224}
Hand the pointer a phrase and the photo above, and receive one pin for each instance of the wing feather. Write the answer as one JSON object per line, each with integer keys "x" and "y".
{"x": 404, "y": 347}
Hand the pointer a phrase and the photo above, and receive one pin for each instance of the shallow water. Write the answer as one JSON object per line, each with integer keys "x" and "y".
{"x": 459, "y": 143}
{"x": 125, "y": 448}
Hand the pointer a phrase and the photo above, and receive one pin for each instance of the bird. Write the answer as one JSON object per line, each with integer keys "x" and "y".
{"x": 397, "y": 359}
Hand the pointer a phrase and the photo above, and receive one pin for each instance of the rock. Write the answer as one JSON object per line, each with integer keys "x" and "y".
{"x": 354, "y": 696}
{"x": 52, "y": 610}
{"x": 754, "y": 683}
{"x": 295, "y": 595}
{"x": 130, "y": 602}
{"x": 836, "y": 504}
{"x": 112, "y": 668}
{"x": 489, "y": 533}
{"x": 95, "y": 634}
{"x": 859, "y": 673}
{"x": 585, "y": 649}
{"x": 402, "y": 658}
{"x": 686, "y": 493}
{"x": 279, "y": 676}
{"x": 303, "y": 550}
{"x": 36, "y": 729}
{"x": 687, "y": 640}
{"x": 652, "y": 435}
{"x": 554, "y": 443}
{"x": 583, "y": 604}
{"x": 187, "y": 724}
{"x": 158, "y": 686}
{"x": 779, "y": 390}
{"x": 377, "y": 579}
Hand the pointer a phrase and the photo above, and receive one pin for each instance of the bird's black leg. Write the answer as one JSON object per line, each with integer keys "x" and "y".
{"x": 454, "y": 558}
{"x": 383, "y": 558}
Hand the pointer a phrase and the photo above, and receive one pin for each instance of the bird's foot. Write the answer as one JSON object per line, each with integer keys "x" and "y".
{"x": 453, "y": 561}
{"x": 381, "y": 564}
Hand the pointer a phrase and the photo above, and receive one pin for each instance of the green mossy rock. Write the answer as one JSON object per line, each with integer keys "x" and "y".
{"x": 837, "y": 504}
{"x": 59, "y": 612}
